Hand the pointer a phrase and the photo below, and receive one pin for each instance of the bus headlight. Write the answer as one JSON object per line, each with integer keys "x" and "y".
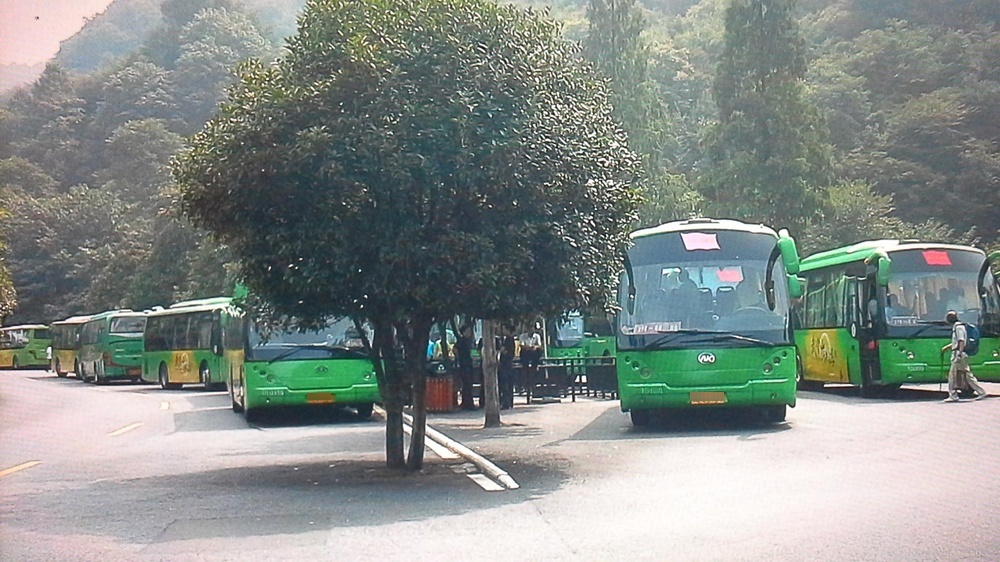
{"x": 768, "y": 369}
{"x": 909, "y": 355}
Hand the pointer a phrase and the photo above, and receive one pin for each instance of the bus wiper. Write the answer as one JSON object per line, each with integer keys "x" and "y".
{"x": 927, "y": 325}
{"x": 289, "y": 352}
{"x": 713, "y": 335}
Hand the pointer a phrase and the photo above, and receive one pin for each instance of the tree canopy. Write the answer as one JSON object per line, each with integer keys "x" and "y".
{"x": 405, "y": 163}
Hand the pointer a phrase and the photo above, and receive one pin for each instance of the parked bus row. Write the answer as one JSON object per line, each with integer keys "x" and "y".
{"x": 713, "y": 313}
{"x": 209, "y": 343}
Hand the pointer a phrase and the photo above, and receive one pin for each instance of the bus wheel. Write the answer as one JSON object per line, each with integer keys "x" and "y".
{"x": 365, "y": 410}
{"x": 237, "y": 407}
{"x": 59, "y": 372}
{"x": 775, "y": 414}
{"x": 205, "y": 374}
{"x": 165, "y": 383}
{"x": 81, "y": 373}
{"x": 99, "y": 377}
{"x": 640, "y": 418}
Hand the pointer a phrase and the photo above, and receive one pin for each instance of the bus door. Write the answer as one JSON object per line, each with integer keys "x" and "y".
{"x": 869, "y": 327}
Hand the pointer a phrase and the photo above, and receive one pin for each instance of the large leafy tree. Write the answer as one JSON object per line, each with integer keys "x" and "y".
{"x": 413, "y": 160}
{"x": 615, "y": 44}
{"x": 768, "y": 159}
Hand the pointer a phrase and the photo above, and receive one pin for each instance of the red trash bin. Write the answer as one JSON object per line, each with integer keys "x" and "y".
{"x": 440, "y": 394}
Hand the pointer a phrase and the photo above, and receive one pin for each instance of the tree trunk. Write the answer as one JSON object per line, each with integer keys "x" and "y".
{"x": 393, "y": 395}
{"x": 489, "y": 355}
{"x": 415, "y": 338}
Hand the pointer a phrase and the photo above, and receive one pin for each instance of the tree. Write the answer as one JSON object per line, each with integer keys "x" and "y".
{"x": 768, "y": 159}
{"x": 411, "y": 161}
{"x": 614, "y": 44}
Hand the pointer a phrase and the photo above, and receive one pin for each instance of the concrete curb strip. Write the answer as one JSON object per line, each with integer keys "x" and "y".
{"x": 488, "y": 468}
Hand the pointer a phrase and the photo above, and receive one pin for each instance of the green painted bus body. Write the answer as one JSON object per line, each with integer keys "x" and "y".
{"x": 110, "y": 346}
{"x": 313, "y": 368}
{"x": 872, "y": 314}
{"x": 722, "y": 345}
{"x": 758, "y": 376}
{"x": 24, "y": 346}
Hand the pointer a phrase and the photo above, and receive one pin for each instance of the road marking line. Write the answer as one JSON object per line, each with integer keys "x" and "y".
{"x": 125, "y": 429}
{"x": 18, "y": 468}
{"x": 164, "y": 405}
{"x": 485, "y": 483}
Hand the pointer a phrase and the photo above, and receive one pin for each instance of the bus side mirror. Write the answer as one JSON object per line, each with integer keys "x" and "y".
{"x": 883, "y": 267}
{"x": 795, "y": 286}
{"x": 789, "y": 252}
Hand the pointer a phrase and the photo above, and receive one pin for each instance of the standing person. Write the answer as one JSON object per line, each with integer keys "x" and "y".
{"x": 959, "y": 374}
{"x": 505, "y": 369}
{"x": 463, "y": 356}
{"x": 531, "y": 354}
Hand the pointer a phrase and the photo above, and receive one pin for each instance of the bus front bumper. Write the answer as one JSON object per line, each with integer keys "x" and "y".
{"x": 643, "y": 396}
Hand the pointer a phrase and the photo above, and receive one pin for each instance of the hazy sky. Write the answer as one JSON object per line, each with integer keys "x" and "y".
{"x": 30, "y": 30}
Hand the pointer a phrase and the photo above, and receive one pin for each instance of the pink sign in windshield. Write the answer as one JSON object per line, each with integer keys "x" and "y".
{"x": 700, "y": 241}
{"x": 936, "y": 257}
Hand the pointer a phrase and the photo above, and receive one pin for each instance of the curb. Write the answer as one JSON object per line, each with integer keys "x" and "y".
{"x": 485, "y": 466}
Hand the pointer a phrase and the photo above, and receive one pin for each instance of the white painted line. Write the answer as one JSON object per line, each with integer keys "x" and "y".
{"x": 164, "y": 405}
{"x": 486, "y": 483}
{"x": 18, "y": 468}
{"x": 211, "y": 409}
{"x": 125, "y": 429}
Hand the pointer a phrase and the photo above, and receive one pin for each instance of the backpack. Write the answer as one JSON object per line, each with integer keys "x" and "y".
{"x": 972, "y": 339}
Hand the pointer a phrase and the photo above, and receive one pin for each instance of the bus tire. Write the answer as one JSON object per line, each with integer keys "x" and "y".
{"x": 81, "y": 373}
{"x": 640, "y": 418}
{"x": 165, "y": 383}
{"x": 59, "y": 372}
{"x": 365, "y": 410}
{"x": 205, "y": 375}
{"x": 237, "y": 407}
{"x": 99, "y": 377}
{"x": 775, "y": 414}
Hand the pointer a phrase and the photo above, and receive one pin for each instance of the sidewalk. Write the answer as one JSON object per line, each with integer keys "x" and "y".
{"x": 524, "y": 428}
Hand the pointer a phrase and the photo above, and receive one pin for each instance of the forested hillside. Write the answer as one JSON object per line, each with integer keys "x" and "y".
{"x": 888, "y": 115}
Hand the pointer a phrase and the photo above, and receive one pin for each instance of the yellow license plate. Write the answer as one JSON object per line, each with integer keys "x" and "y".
{"x": 702, "y": 398}
{"x": 320, "y": 398}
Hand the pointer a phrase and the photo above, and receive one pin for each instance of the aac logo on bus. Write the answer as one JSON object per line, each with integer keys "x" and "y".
{"x": 706, "y": 358}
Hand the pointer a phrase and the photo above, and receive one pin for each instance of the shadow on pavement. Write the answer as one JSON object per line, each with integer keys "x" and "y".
{"x": 680, "y": 423}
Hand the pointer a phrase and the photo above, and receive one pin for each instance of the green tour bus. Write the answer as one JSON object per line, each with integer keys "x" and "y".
{"x": 185, "y": 344}
{"x": 65, "y": 344}
{"x": 111, "y": 347}
{"x": 580, "y": 335}
{"x": 24, "y": 346}
{"x": 704, "y": 319}
{"x": 873, "y": 313}
{"x": 325, "y": 366}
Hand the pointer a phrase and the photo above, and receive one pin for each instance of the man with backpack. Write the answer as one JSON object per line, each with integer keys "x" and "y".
{"x": 959, "y": 375}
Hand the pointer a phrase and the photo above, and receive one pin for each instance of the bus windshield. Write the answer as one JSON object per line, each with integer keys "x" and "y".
{"x": 703, "y": 294}
{"x": 132, "y": 325}
{"x": 13, "y": 339}
{"x": 339, "y": 339}
{"x": 568, "y": 332}
{"x": 927, "y": 283}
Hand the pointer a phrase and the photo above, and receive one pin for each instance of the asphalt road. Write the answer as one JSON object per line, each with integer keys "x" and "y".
{"x": 124, "y": 472}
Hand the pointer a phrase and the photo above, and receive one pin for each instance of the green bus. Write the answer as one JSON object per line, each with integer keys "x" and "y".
{"x": 110, "y": 347}
{"x": 24, "y": 346}
{"x": 580, "y": 335}
{"x": 704, "y": 319}
{"x": 65, "y": 344}
{"x": 873, "y": 313}
{"x": 326, "y": 366}
{"x": 185, "y": 344}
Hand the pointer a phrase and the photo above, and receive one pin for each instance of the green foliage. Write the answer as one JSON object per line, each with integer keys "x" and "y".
{"x": 411, "y": 161}
{"x": 110, "y": 36}
{"x": 856, "y": 213}
{"x": 768, "y": 160}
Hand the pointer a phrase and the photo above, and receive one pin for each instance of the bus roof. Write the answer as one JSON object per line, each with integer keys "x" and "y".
{"x": 188, "y": 307}
{"x": 864, "y": 250}
{"x": 24, "y": 327}
{"x": 704, "y": 224}
{"x": 114, "y": 314}
{"x": 203, "y": 302}
{"x": 73, "y": 320}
